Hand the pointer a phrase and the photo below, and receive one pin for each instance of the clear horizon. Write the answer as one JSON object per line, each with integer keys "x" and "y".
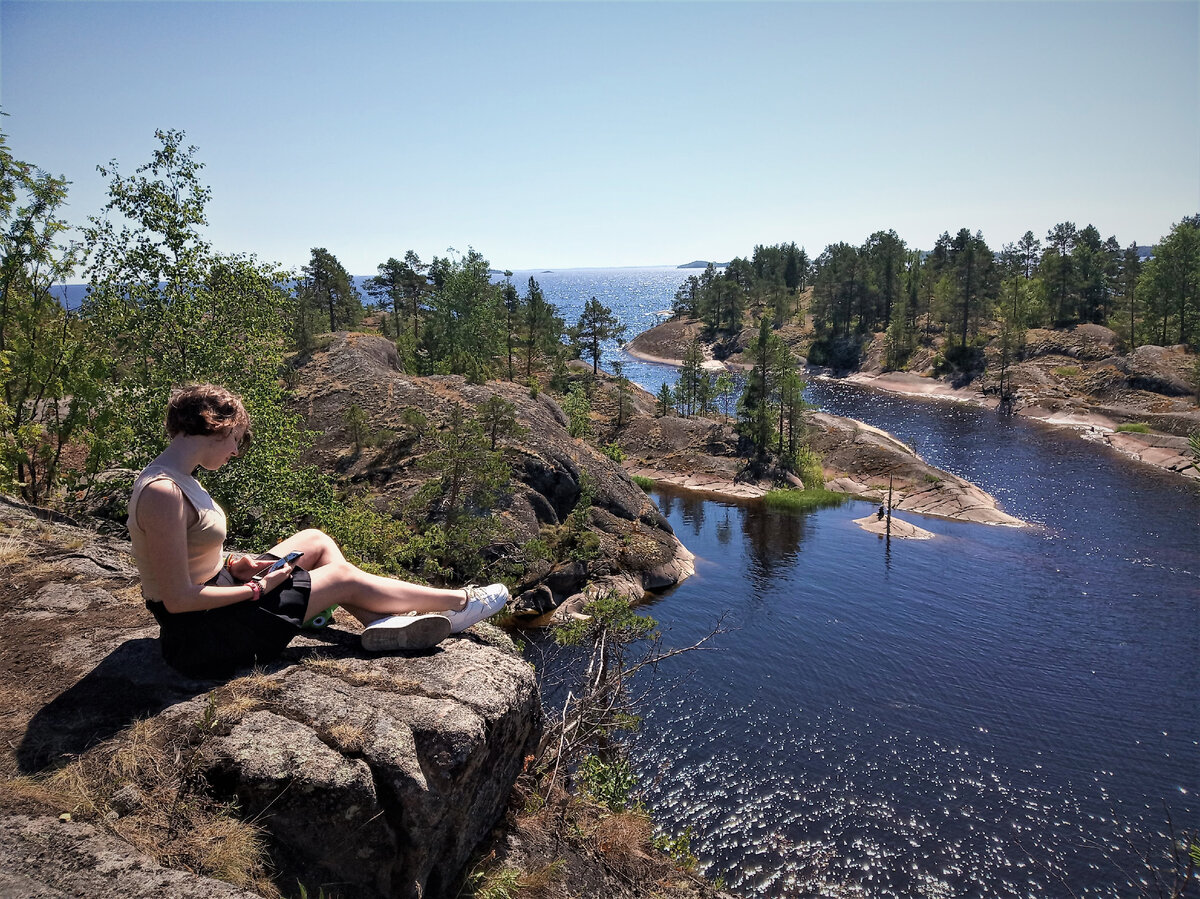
{"x": 562, "y": 135}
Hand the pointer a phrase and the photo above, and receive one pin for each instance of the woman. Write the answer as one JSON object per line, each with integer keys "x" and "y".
{"x": 218, "y": 612}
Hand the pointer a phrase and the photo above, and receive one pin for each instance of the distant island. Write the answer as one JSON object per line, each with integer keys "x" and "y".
{"x": 703, "y": 263}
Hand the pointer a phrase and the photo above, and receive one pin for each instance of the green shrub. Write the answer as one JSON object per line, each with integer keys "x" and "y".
{"x": 645, "y": 483}
{"x": 1067, "y": 371}
{"x": 579, "y": 410}
{"x": 1134, "y": 427}
{"x": 808, "y": 466}
{"x": 679, "y": 848}
{"x": 414, "y": 418}
{"x": 614, "y": 452}
{"x": 802, "y": 500}
{"x": 611, "y": 784}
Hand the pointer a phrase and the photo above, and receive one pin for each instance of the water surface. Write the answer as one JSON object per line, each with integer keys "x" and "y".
{"x": 981, "y": 714}
{"x": 994, "y": 712}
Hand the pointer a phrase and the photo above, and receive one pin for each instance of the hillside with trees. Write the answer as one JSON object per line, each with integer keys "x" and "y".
{"x": 1072, "y": 323}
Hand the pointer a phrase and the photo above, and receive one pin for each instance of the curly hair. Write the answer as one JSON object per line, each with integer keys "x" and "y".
{"x": 205, "y": 409}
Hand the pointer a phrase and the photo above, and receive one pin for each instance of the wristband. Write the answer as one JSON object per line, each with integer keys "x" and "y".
{"x": 229, "y": 560}
{"x": 255, "y": 590}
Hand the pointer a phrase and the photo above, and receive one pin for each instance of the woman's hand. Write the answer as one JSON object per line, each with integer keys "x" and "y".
{"x": 270, "y": 581}
{"x": 245, "y": 567}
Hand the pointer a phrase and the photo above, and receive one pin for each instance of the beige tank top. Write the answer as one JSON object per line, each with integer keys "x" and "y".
{"x": 205, "y": 538}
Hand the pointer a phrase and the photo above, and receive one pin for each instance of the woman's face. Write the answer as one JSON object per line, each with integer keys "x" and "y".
{"x": 222, "y": 447}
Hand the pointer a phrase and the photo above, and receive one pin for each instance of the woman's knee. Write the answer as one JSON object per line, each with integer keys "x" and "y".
{"x": 321, "y": 548}
{"x": 316, "y": 537}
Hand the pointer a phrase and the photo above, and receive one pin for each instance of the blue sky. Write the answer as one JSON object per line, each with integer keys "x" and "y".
{"x": 562, "y": 134}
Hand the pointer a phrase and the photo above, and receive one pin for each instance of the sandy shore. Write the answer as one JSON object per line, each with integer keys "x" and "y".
{"x": 646, "y": 357}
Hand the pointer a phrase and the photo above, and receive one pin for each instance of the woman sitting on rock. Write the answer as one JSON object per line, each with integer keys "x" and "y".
{"x": 219, "y": 611}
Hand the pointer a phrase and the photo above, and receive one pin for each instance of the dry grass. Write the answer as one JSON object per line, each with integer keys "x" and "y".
{"x": 72, "y": 544}
{"x": 624, "y": 839}
{"x": 131, "y": 595}
{"x": 369, "y": 677}
{"x": 238, "y": 698}
{"x": 163, "y": 809}
{"x": 506, "y": 882}
{"x": 257, "y": 684}
{"x": 14, "y": 552}
{"x": 348, "y": 738}
{"x": 39, "y": 792}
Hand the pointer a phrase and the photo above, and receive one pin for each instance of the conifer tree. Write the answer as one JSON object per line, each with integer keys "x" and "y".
{"x": 596, "y": 326}
{"x": 691, "y": 376}
{"x": 464, "y": 332}
{"x": 665, "y": 401}
{"x": 328, "y": 286}
{"x": 543, "y": 328}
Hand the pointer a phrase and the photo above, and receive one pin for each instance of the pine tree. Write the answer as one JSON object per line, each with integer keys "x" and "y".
{"x": 498, "y": 418}
{"x": 596, "y": 326}
{"x": 691, "y": 375}
{"x": 666, "y": 401}
{"x": 327, "y": 286}
{"x": 543, "y": 328}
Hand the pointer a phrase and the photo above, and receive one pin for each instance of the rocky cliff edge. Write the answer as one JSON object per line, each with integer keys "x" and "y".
{"x": 365, "y": 776}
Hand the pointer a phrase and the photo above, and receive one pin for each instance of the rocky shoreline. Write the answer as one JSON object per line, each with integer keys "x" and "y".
{"x": 1166, "y": 451}
{"x": 861, "y": 461}
{"x": 1070, "y": 379}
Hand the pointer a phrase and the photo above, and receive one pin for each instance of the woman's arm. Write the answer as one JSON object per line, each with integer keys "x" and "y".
{"x": 162, "y": 513}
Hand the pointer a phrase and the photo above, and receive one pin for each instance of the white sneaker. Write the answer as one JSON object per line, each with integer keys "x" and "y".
{"x": 482, "y": 602}
{"x": 405, "y": 632}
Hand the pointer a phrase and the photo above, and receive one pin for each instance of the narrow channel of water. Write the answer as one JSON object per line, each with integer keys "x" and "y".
{"x": 994, "y": 712}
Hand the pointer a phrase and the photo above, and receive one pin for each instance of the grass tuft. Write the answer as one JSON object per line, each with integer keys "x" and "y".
{"x": 803, "y": 500}
{"x": 1134, "y": 427}
{"x": 14, "y": 552}
{"x": 145, "y": 785}
{"x": 645, "y": 483}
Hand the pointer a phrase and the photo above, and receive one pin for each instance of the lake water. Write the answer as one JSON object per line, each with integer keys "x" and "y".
{"x": 994, "y": 712}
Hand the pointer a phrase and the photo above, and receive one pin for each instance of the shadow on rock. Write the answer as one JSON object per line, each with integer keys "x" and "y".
{"x": 133, "y": 682}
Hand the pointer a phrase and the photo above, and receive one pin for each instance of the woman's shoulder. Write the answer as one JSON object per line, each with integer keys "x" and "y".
{"x": 156, "y": 496}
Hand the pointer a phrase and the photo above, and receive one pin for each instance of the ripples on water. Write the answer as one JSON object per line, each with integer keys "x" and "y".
{"x": 958, "y": 718}
{"x": 994, "y": 712}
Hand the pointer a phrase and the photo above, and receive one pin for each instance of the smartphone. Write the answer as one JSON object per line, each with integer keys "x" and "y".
{"x": 286, "y": 560}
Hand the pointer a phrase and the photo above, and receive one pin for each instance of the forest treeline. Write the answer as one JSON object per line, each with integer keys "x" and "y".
{"x": 85, "y": 389}
{"x": 960, "y": 287}
{"x": 956, "y": 297}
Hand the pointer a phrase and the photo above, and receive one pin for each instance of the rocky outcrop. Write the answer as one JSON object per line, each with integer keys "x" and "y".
{"x": 863, "y": 461}
{"x": 1071, "y": 377}
{"x": 46, "y": 858}
{"x": 377, "y": 774}
{"x": 551, "y": 471}
{"x": 380, "y": 774}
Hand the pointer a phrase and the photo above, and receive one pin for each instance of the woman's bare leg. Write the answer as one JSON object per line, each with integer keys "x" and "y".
{"x": 368, "y": 597}
{"x": 318, "y": 548}
{"x": 340, "y": 583}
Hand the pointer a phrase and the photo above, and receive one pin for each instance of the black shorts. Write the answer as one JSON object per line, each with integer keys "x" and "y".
{"x": 217, "y": 642}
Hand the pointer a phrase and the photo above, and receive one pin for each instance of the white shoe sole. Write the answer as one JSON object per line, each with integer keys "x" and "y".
{"x": 417, "y": 632}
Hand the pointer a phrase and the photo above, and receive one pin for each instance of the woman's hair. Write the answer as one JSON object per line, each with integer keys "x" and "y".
{"x": 205, "y": 409}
